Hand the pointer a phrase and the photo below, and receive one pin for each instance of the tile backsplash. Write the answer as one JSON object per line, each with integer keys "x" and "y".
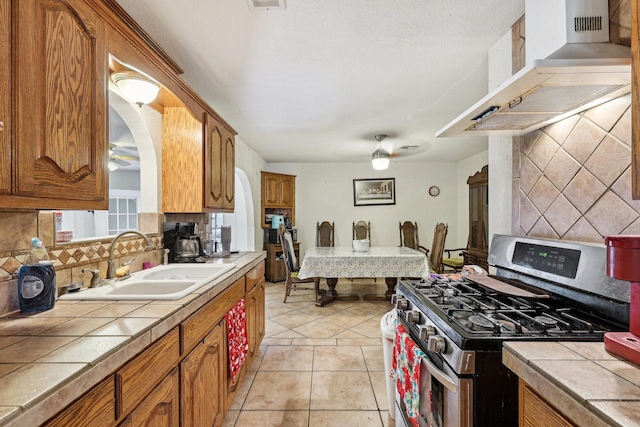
{"x": 573, "y": 178}
{"x": 17, "y": 229}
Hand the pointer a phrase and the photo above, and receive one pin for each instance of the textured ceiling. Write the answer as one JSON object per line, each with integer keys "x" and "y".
{"x": 317, "y": 81}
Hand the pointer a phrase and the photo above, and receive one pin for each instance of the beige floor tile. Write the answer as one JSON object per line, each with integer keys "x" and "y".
{"x": 379, "y": 383}
{"x": 273, "y": 419}
{"x": 314, "y": 341}
{"x": 293, "y": 319}
{"x": 288, "y": 358}
{"x": 298, "y": 305}
{"x": 346, "y": 319}
{"x": 344, "y": 358}
{"x": 272, "y": 328}
{"x": 360, "y": 341}
{"x": 319, "y": 329}
{"x": 241, "y": 395}
{"x": 387, "y": 421}
{"x": 274, "y": 310}
{"x": 350, "y": 335}
{"x": 319, "y": 312}
{"x": 373, "y": 357}
{"x": 276, "y": 341}
{"x": 371, "y": 309}
{"x": 345, "y": 418}
{"x": 342, "y": 391}
{"x": 230, "y": 418}
{"x": 289, "y": 334}
{"x": 279, "y": 391}
{"x": 369, "y": 328}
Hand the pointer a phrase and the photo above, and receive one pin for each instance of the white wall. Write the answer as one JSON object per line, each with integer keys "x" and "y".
{"x": 248, "y": 161}
{"x": 324, "y": 191}
{"x": 500, "y": 148}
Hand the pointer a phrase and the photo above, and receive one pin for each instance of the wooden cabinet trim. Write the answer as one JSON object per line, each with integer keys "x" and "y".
{"x": 198, "y": 325}
{"x": 254, "y": 276}
{"x": 95, "y": 409}
{"x": 161, "y": 407}
{"x": 137, "y": 378}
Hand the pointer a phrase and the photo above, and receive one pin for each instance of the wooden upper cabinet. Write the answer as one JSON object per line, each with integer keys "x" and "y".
{"x": 198, "y": 163}
{"x": 5, "y": 96}
{"x": 278, "y": 196}
{"x": 219, "y": 166}
{"x": 58, "y": 131}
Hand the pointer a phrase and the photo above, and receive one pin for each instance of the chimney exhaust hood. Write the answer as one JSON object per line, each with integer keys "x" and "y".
{"x": 581, "y": 74}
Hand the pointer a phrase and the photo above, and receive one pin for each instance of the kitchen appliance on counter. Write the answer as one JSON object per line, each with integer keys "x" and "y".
{"x": 543, "y": 290}
{"x": 273, "y": 235}
{"x": 623, "y": 262}
{"x": 183, "y": 242}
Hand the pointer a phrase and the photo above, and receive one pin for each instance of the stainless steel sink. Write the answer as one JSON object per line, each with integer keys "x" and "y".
{"x": 168, "y": 282}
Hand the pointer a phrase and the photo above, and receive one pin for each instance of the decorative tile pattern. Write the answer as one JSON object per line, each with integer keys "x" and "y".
{"x": 583, "y": 192}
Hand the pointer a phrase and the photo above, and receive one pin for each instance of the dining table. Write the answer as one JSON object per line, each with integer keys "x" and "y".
{"x": 390, "y": 262}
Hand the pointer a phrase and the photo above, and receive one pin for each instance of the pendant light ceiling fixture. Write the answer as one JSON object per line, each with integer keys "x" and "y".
{"x": 136, "y": 87}
{"x": 380, "y": 158}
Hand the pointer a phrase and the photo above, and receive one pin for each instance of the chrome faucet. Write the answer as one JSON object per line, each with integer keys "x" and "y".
{"x": 111, "y": 269}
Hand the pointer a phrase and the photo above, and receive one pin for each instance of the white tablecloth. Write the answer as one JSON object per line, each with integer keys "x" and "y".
{"x": 376, "y": 262}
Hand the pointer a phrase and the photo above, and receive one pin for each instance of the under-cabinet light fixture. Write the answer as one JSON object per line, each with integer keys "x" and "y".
{"x": 136, "y": 87}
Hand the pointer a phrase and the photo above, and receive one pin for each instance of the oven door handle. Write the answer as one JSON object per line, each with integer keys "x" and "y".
{"x": 443, "y": 378}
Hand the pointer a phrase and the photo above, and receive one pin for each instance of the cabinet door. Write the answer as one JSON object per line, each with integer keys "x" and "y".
{"x": 229, "y": 153}
{"x": 59, "y": 128}
{"x": 160, "y": 408}
{"x": 219, "y": 171}
{"x": 255, "y": 317}
{"x": 213, "y": 164}
{"x": 5, "y": 98}
{"x": 287, "y": 190}
{"x": 271, "y": 187}
{"x": 96, "y": 408}
{"x": 202, "y": 382}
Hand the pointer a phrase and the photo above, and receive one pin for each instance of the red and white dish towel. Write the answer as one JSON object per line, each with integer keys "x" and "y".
{"x": 407, "y": 360}
{"x": 238, "y": 344}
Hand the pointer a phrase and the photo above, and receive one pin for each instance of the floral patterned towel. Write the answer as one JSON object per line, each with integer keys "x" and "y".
{"x": 237, "y": 337}
{"x": 407, "y": 359}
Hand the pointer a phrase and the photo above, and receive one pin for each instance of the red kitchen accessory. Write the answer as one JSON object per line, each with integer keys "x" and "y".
{"x": 623, "y": 262}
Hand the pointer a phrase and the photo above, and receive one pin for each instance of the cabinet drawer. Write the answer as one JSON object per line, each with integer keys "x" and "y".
{"x": 96, "y": 408}
{"x": 200, "y": 323}
{"x": 254, "y": 276}
{"x": 137, "y": 378}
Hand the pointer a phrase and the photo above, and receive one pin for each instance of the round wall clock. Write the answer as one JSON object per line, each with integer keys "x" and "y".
{"x": 434, "y": 191}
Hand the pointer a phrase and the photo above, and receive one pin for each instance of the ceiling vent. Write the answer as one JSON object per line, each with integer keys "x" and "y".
{"x": 267, "y": 4}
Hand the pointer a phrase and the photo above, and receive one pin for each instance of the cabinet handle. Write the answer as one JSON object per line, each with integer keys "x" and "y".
{"x": 1, "y": 125}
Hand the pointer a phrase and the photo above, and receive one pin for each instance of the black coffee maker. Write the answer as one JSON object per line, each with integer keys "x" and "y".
{"x": 181, "y": 238}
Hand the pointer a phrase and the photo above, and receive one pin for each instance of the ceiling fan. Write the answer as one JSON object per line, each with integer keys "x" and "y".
{"x": 122, "y": 156}
{"x": 380, "y": 157}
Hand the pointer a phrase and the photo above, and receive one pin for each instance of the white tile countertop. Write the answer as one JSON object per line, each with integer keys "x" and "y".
{"x": 581, "y": 379}
{"x": 49, "y": 359}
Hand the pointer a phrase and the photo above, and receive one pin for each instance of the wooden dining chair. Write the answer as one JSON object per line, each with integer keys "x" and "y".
{"x": 362, "y": 230}
{"x": 437, "y": 247}
{"x": 292, "y": 281}
{"x": 324, "y": 234}
{"x": 409, "y": 236}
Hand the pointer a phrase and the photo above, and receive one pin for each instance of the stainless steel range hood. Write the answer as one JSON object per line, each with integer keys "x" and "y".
{"x": 575, "y": 77}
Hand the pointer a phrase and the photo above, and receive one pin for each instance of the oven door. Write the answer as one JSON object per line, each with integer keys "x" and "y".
{"x": 445, "y": 399}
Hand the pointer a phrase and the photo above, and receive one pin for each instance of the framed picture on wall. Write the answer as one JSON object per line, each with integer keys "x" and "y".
{"x": 368, "y": 192}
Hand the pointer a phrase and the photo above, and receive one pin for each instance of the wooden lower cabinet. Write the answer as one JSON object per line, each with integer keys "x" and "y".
{"x": 255, "y": 317}
{"x": 535, "y": 411}
{"x": 182, "y": 378}
{"x": 202, "y": 382}
{"x": 94, "y": 409}
{"x": 275, "y": 270}
{"x": 161, "y": 407}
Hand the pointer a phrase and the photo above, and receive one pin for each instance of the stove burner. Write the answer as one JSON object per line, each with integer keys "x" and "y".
{"x": 477, "y": 321}
{"x": 546, "y": 321}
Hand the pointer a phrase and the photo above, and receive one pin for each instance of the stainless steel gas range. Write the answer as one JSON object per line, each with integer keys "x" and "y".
{"x": 542, "y": 290}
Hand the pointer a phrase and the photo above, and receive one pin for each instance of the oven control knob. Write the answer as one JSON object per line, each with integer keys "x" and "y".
{"x": 426, "y": 331}
{"x": 402, "y": 304}
{"x": 436, "y": 344}
{"x": 413, "y": 317}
